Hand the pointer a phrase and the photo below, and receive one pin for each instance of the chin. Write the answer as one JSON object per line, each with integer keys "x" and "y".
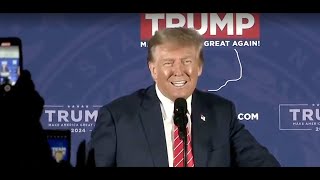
{"x": 179, "y": 93}
{"x": 180, "y": 96}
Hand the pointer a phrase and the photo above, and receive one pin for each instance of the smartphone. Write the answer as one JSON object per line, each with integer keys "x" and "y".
{"x": 10, "y": 60}
{"x": 60, "y": 144}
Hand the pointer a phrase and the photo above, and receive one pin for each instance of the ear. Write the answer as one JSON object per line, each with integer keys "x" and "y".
{"x": 153, "y": 71}
{"x": 200, "y": 69}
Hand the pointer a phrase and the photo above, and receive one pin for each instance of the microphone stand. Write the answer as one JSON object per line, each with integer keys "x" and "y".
{"x": 183, "y": 136}
{"x": 185, "y": 141}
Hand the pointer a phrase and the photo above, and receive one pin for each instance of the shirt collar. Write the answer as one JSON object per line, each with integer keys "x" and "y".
{"x": 168, "y": 105}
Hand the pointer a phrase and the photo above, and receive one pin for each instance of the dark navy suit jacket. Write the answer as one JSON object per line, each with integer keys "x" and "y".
{"x": 129, "y": 132}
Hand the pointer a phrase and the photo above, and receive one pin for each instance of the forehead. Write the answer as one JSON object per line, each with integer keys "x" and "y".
{"x": 174, "y": 49}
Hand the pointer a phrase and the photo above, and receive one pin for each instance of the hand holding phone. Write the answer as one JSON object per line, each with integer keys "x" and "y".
{"x": 10, "y": 61}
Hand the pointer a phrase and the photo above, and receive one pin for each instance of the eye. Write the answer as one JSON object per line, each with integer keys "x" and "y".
{"x": 187, "y": 61}
{"x": 167, "y": 63}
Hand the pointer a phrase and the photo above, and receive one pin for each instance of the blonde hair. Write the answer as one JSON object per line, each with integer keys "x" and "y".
{"x": 180, "y": 35}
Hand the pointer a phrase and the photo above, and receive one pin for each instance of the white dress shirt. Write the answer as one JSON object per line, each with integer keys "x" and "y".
{"x": 167, "y": 107}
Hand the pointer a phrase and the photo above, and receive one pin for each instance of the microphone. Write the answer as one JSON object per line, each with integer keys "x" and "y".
{"x": 180, "y": 115}
{"x": 180, "y": 119}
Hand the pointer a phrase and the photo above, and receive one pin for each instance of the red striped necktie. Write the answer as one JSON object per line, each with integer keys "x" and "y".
{"x": 178, "y": 151}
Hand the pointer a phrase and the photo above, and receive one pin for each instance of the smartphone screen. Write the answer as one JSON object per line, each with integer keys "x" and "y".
{"x": 59, "y": 141}
{"x": 10, "y": 61}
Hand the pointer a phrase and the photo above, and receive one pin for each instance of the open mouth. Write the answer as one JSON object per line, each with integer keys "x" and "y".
{"x": 179, "y": 83}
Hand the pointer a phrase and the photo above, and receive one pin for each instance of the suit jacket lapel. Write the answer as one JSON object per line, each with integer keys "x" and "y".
{"x": 151, "y": 118}
{"x": 200, "y": 130}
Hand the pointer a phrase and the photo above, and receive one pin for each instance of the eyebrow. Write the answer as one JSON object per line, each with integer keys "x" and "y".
{"x": 172, "y": 59}
{"x": 168, "y": 59}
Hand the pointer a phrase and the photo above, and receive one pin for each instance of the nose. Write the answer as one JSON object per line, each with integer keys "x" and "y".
{"x": 178, "y": 68}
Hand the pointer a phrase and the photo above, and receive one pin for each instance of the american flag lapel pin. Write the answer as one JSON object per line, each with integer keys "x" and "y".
{"x": 203, "y": 118}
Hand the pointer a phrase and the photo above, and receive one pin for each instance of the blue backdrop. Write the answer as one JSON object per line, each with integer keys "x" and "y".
{"x": 80, "y": 62}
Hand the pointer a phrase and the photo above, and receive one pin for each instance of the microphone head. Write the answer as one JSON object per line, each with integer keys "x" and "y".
{"x": 180, "y": 106}
{"x": 180, "y": 111}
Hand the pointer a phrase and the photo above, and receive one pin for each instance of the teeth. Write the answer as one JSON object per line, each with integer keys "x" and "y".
{"x": 179, "y": 83}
